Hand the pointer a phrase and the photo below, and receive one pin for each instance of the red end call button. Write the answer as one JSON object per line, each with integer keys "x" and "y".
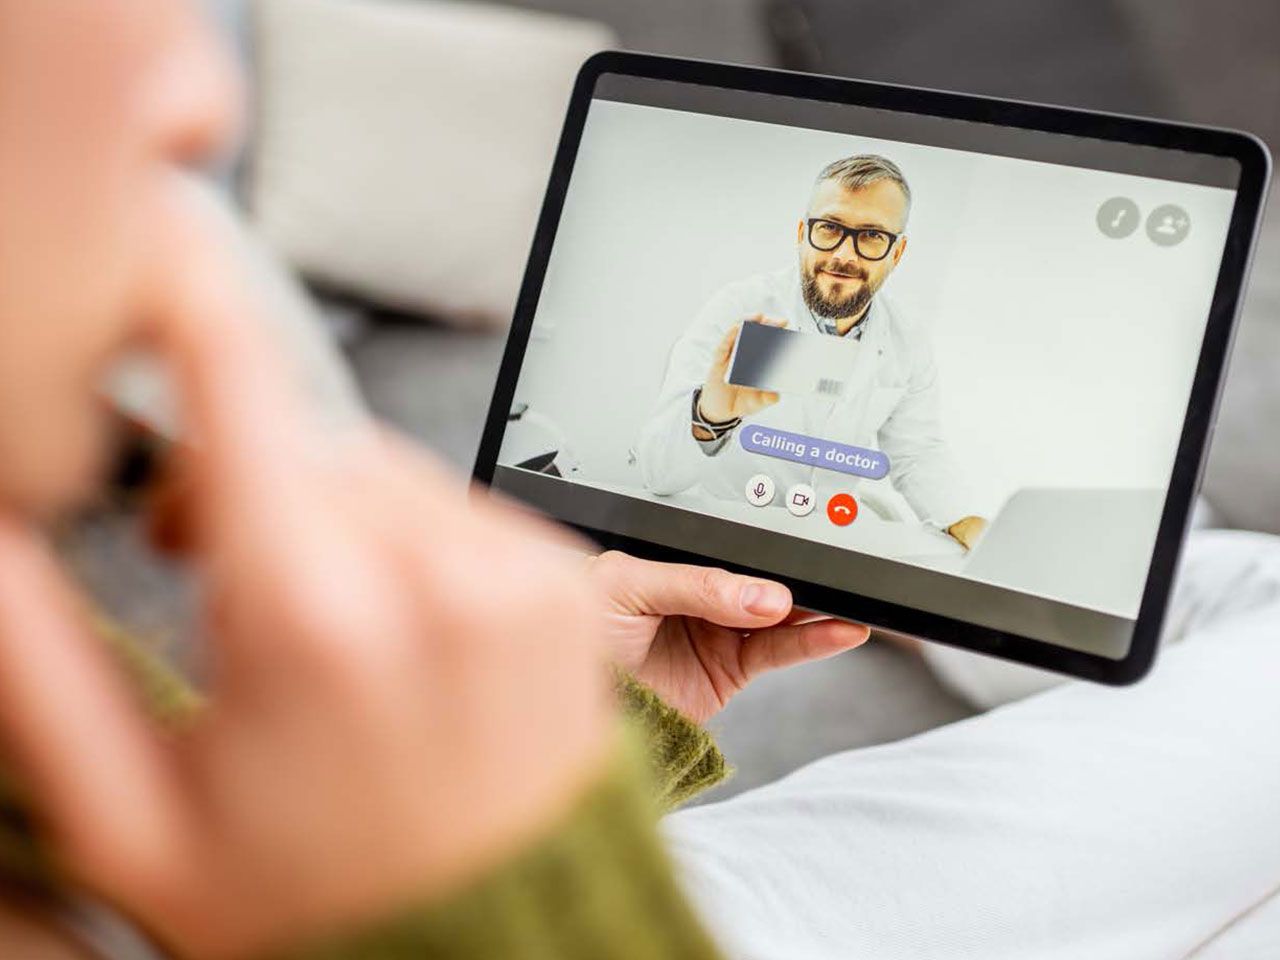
{"x": 842, "y": 509}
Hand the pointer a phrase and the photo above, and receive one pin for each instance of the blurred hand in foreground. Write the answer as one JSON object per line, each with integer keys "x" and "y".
{"x": 698, "y": 635}
{"x": 388, "y": 659}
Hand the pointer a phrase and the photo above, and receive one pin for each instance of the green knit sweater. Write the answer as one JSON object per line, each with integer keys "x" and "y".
{"x": 598, "y": 886}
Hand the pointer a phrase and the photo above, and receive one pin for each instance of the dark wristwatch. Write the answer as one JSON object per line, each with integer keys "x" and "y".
{"x": 715, "y": 429}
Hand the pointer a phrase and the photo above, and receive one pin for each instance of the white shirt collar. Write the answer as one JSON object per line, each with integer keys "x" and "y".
{"x": 823, "y": 325}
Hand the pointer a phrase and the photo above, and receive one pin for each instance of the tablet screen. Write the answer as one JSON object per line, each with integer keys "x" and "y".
{"x": 941, "y": 363}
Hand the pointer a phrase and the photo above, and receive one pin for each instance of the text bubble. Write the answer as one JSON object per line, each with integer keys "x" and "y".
{"x": 815, "y": 452}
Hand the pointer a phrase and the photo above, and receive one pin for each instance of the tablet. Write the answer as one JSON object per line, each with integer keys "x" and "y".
{"x": 997, "y": 333}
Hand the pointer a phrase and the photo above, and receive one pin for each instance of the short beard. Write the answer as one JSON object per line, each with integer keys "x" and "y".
{"x": 834, "y": 309}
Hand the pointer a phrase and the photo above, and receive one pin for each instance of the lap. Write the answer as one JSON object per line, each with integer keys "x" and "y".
{"x": 1085, "y": 822}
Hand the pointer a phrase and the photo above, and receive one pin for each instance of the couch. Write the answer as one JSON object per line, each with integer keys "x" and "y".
{"x": 432, "y": 374}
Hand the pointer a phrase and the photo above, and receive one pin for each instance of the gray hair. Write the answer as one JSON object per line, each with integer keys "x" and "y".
{"x": 862, "y": 170}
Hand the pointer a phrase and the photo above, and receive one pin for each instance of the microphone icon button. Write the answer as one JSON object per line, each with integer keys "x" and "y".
{"x": 760, "y": 490}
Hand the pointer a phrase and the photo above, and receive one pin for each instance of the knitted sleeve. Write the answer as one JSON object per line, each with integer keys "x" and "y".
{"x": 683, "y": 757}
{"x": 597, "y": 886}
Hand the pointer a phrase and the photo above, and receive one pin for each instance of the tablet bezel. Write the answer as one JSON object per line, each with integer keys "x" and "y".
{"x": 1206, "y": 389}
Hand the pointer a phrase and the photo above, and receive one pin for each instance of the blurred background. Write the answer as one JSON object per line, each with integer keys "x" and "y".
{"x": 391, "y": 142}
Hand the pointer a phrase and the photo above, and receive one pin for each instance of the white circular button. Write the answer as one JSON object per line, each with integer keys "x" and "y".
{"x": 760, "y": 490}
{"x": 800, "y": 499}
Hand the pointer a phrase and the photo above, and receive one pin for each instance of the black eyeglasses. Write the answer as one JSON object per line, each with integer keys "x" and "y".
{"x": 870, "y": 243}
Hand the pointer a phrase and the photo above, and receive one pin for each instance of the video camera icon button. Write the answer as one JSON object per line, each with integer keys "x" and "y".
{"x": 760, "y": 490}
{"x": 800, "y": 499}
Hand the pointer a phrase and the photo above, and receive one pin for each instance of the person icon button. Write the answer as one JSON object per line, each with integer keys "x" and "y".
{"x": 1168, "y": 225}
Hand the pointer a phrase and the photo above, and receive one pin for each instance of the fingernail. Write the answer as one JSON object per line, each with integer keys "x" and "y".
{"x": 765, "y": 599}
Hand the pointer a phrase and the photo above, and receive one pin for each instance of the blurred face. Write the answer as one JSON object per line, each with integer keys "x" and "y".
{"x": 100, "y": 102}
{"x": 839, "y": 283}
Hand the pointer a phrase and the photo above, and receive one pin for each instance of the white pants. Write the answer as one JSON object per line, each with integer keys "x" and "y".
{"x": 1083, "y": 822}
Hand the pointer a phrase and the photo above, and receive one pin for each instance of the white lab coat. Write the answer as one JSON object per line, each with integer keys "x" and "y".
{"x": 891, "y": 404}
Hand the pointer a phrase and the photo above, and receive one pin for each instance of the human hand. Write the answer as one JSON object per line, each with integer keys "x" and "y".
{"x": 722, "y": 401}
{"x": 388, "y": 660}
{"x": 698, "y": 635}
{"x": 968, "y": 531}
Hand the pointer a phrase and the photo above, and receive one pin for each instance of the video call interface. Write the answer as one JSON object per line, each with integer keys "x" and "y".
{"x": 935, "y": 362}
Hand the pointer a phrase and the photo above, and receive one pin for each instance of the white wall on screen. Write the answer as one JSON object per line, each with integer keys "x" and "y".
{"x": 1065, "y": 356}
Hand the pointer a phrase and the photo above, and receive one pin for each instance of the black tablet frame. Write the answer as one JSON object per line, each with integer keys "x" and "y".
{"x": 1255, "y": 165}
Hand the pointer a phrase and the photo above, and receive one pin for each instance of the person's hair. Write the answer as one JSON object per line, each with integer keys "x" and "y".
{"x": 862, "y": 170}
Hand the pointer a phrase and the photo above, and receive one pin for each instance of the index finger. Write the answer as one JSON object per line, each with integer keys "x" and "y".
{"x": 649, "y": 588}
{"x": 239, "y": 401}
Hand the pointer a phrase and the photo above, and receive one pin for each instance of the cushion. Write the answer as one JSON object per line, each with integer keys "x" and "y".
{"x": 402, "y": 148}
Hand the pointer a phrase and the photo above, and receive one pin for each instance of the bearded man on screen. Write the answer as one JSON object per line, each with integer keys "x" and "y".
{"x": 849, "y": 242}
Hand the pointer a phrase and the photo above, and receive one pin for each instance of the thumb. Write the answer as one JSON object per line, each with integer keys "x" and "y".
{"x": 646, "y": 588}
